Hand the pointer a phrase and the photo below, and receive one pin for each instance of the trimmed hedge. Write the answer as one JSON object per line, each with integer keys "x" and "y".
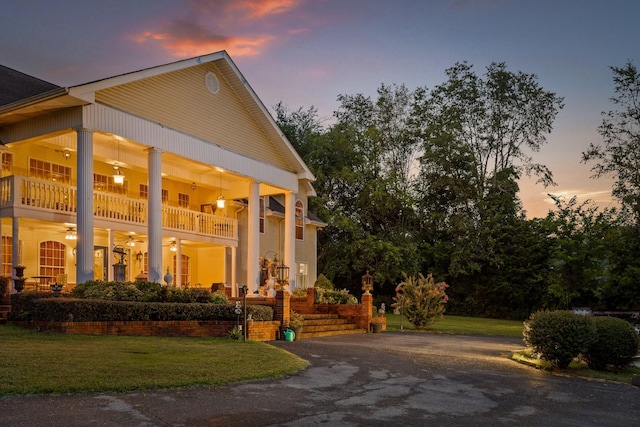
{"x": 139, "y": 291}
{"x": 33, "y": 306}
{"x": 559, "y": 336}
{"x": 616, "y": 344}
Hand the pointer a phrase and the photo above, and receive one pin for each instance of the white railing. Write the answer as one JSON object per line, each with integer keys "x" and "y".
{"x": 49, "y": 196}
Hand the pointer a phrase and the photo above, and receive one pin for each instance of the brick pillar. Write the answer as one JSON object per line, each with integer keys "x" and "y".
{"x": 364, "y": 319}
{"x": 282, "y": 309}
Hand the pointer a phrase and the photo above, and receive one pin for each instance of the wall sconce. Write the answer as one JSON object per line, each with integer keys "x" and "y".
{"x": 66, "y": 154}
{"x": 173, "y": 247}
{"x": 193, "y": 186}
{"x": 139, "y": 256}
{"x": 71, "y": 234}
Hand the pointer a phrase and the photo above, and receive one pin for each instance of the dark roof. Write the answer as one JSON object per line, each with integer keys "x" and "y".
{"x": 15, "y": 86}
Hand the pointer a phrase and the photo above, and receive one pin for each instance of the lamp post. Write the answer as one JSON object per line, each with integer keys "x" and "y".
{"x": 367, "y": 283}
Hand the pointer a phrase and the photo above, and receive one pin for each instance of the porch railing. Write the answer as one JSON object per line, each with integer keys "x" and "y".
{"x": 18, "y": 191}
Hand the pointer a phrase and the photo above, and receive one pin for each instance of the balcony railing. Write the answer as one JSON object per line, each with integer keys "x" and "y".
{"x": 18, "y": 191}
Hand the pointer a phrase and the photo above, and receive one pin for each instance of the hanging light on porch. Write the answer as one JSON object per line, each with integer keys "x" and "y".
{"x": 118, "y": 176}
{"x": 173, "y": 247}
{"x": 71, "y": 234}
{"x": 220, "y": 201}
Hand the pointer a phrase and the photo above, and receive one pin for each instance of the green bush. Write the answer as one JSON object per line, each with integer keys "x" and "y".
{"x": 337, "y": 296}
{"x": 323, "y": 283}
{"x": 140, "y": 291}
{"x": 616, "y": 344}
{"x": 44, "y": 307}
{"x": 219, "y": 298}
{"x": 559, "y": 336}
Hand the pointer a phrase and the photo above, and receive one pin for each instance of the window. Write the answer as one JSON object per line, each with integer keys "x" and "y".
{"x": 183, "y": 200}
{"x": 105, "y": 183}
{"x": 7, "y": 163}
{"x": 299, "y": 220}
{"x": 302, "y": 276}
{"x": 46, "y": 171}
{"x": 52, "y": 258}
{"x": 7, "y": 257}
{"x": 143, "y": 193}
{"x": 184, "y": 278}
{"x": 262, "y": 202}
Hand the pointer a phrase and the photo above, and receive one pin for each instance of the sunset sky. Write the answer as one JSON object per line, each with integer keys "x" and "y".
{"x": 307, "y": 52}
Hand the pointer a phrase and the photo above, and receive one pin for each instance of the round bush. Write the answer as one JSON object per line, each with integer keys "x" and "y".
{"x": 616, "y": 344}
{"x": 219, "y": 298}
{"x": 559, "y": 336}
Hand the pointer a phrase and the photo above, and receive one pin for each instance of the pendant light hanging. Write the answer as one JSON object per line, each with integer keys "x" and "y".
{"x": 118, "y": 176}
{"x": 220, "y": 201}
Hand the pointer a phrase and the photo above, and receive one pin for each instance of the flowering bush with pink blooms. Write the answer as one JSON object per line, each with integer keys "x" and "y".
{"x": 421, "y": 300}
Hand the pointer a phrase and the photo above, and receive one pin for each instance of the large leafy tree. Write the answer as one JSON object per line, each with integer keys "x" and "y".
{"x": 619, "y": 154}
{"x": 479, "y": 133}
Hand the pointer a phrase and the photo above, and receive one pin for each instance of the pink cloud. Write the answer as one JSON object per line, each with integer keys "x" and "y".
{"x": 242, "y": 28}
{"x": 262, "y": 8}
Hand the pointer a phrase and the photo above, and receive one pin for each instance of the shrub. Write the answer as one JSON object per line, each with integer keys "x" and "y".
{"x": 559, "y": 336}
{"x": 323, "y": 283}
{"x": 219, "y": 298}
{"x": 44, "y": 307}
{"x": 616, "y": 344}
{"x": 338, "y": 296}
{"x": 421, "y": 300}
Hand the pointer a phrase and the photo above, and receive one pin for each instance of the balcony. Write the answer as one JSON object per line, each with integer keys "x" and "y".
{"x": 47, "y": 200}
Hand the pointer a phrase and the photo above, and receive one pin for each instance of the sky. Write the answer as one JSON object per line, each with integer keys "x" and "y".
{"x": 307, "y": 52}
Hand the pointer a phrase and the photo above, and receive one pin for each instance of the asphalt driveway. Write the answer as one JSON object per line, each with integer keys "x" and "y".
{"x": 370, "y": 379}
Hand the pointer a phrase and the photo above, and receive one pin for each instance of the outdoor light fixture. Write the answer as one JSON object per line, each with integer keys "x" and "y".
{"x": 173, "y": 247}
{"x": 367, "y": 283}
{"x": 66, "y": 154}
{"x": 130, "y": 241}
{"x": 118, "y": 176}
{"x": 220, "y": 201}
{"x": 193, "y": 186}
{"x": 71, "y": 234}
{"x": 282, "y": 273}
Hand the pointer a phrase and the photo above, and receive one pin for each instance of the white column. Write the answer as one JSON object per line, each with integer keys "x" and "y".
{"x": 84, "y": 216}
{"x": 253, "y": 237}
{"x": 154, "y": 213}
{"x": 109, "y": 254}
{"x": 234, "y": 277}
{"x": 290, "y": 236}
{"x": 178, "y": 254}
{"x": 15, "y": 245}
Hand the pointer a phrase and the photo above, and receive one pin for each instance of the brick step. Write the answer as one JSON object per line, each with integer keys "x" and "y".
{"x": 317, "y": 322}
{"x": 323, "y": 328}
{"x": 317, "y": 316}
{"x": 306, "y": 334}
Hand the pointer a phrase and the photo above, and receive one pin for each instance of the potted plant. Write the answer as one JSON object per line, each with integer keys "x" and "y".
{"x": 296, "y": 321}
{"x": 378, "y": 321}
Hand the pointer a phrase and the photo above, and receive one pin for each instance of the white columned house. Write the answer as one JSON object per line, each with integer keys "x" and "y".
{"x": 181, "y": 136}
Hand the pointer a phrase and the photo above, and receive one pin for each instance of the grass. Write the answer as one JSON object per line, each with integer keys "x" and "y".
{"x": 577, "y": 368}
{"x": 37, "y": 363}
{"x": 462, "y": 325}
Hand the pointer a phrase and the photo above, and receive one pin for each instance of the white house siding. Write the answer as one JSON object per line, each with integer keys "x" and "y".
{"x": 181, "y": 101}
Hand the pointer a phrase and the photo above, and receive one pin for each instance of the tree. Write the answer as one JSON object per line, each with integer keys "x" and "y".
{"x": 478, "y": 133}
{"x": 619, "y": 155}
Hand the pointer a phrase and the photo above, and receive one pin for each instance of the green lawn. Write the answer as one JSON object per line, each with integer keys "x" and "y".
{"x": 35, "y": 363}
{"x": 462, "y": 325}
